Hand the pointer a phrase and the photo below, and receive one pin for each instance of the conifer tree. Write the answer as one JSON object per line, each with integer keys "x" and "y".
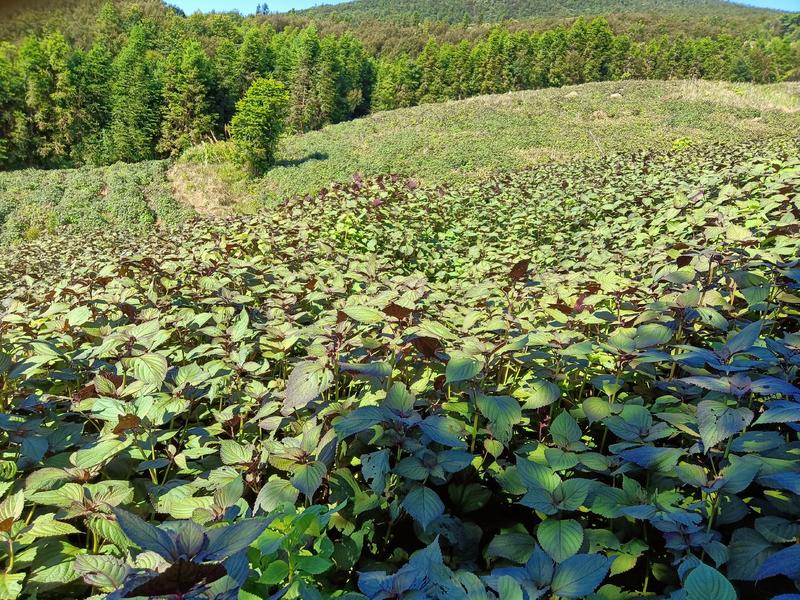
{"x": 11, "y": 116}
{"x": 91, "y": 75}
{"x": 304, "y": 106}
{"x": 49, "y": 96}
{"x": 255, "y": 58}
{"x": 188, "y": 113}
{"x": 134, "y": 103}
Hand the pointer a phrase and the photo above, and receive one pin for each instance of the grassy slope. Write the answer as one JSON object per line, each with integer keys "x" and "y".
{"x": 496, "y": 10}
{"x": 465, "y": 140}
{"x": 438, "y": 143}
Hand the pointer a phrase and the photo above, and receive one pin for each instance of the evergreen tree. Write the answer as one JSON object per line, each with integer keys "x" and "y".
{"x": 255, "y": 55}
{"x": 188, "y": 114}
{"x": 304, "y": 106}
{"x": 226, "y": 66}
{"x": 134, "y": 103}
{"x": 356, "y": 78}
{"x": 91, "y": 74}
{"x": 12, "y": 119}
{"x": 49, "y": 96}
{"x": 432, "y": 69}
{"x": 258, "y": 123}
{"x": 328, "y": 92}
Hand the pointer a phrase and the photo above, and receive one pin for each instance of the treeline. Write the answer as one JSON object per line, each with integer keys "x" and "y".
{"x": 480, "y": 11}
{"x": 146, "y": 88}
{"x": 143, "y": 91}
{"x": 584, "y": 52}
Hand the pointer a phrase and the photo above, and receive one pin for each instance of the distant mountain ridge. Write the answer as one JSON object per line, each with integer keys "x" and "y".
{"x": 455, "y": 11}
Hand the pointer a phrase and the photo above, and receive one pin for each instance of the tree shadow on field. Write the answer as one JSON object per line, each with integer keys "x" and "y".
{"x": 296, "y": 162}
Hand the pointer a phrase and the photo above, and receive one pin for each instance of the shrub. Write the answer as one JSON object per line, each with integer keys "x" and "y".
{"x": 258, "y": 123}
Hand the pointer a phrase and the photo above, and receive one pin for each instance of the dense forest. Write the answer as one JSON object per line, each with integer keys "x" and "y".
{"x": 146, "y": 84}
{"x": 455, "y": 11}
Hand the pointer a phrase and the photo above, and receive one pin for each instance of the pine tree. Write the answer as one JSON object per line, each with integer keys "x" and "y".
{"x": 255, "y": 55}
{"x": 328, "y": 92}
{"x": 12, "y": 118}
{"x": 431, "y": 84}
{"x": 189, "y": 89}
{"x": 134, "y": 103}
{"x": 356, "y": 78}
{"x": 304, "y": 107}
{"x": 258, "y": 123}
{"x": 49, "y": 96}
{"x": 91, "y": 75}
{"x": 226, "y": 66}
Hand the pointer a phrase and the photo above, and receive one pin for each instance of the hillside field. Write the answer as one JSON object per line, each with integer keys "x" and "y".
{"x": 575, "y": 380}
{"x": 459, "y": 141}
{"x": 450, "y": 143}
{"x": 302, "y": 307}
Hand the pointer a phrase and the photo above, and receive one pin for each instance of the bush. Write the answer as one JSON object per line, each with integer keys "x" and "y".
{"x": 258, "y": 123}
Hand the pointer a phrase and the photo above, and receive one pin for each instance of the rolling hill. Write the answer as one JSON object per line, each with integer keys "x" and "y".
{"x": 77, "y": 19}
{"x": 452, "y": 143}
{"x": 455, "y": 11}
{"x": 469, "y": 139}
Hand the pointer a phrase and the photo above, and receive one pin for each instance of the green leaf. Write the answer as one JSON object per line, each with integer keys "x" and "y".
{"x": 536, "y": 476}
{"x": 306, "y": 382}
{"x": 515, "y": 546}
{"x": 747, "y": 552}
{"x": 717, "y": 422}
{"x": 150, "y": 368}
{"x": 308, "y": 478}
{"x": 461, "y": 367}
{"x": 315, "y": 565}
{"x": 705, "y": 582}
{"x": 275, "y": 493}
{"x": 424, "y": 505}
{"x": 359, "y": 420}
{"x": 560, "y": 538}
{"x": 276, "y": 572}
{"x": 565, "y": 430}
{"x": 364, "y": 314}
{"x": 509, "y": 589}
{"x": 662, "y": 460}
{"x": 541, "y": 394}
{"x": 105, "y": 572}
{"x": 12, "y": 507}
{"x": 233, "y": 453}
{"x": 469, "y": 497}
{"x": 579, "y": 575}
{"x": 444, "y": 430}
{"x": 100, "y": 453}
{"x": 503, "y": 412}
{"x": 651, "y": 335}
{"x": 11, "y": 585}
{"x": 46, "y": 526}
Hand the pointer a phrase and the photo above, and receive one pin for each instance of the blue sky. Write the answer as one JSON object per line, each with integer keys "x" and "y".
{"x": 248, "y": 6}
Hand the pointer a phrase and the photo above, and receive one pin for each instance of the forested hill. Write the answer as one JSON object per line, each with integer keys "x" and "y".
{"x": 455, "y": 11}
{"x": 77, "y": 19}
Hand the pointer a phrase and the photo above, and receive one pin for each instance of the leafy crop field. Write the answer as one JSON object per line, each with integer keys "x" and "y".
{"x": 470, "y": 139}
{"x": 575, "y": 381}
{"x": 129, "y": 197}
{"x": 452, "y": 143}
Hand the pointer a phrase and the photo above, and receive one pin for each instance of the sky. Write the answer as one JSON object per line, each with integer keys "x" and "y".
{"x": 249, "y": 6}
